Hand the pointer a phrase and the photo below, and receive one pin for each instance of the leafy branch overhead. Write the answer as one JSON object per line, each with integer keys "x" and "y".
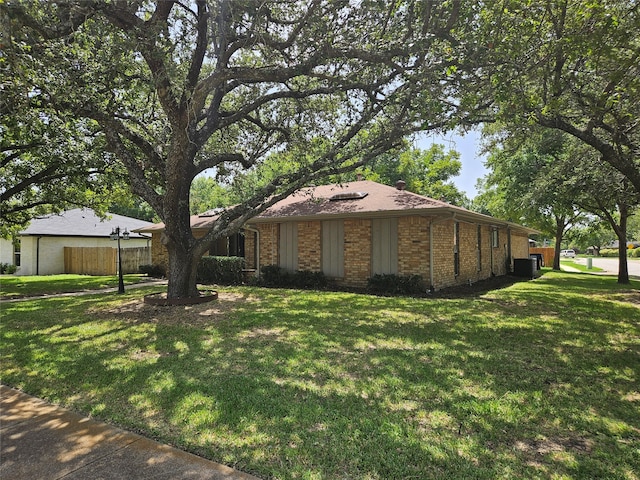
{"x": 177, "y": 88}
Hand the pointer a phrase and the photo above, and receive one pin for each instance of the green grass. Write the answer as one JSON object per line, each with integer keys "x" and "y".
{"x": 579, "y": 266}
{"x": 537, "y": 380}
{"x": 24, "y": 286}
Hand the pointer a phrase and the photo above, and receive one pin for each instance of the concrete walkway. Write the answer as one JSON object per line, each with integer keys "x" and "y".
{"x": 39, "y": 441}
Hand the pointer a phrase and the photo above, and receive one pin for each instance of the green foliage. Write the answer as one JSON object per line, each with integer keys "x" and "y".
{"x": 221, "y": 270}
{"x": 7, "y": 268}
{"x": 609, "y": 252}
{"x": 172, "y": 90}
{"x": 274, "y": 276}
{"x": 207, "y": 193}
{"x": 634, "y": 252}
{"x": 569, "y": 66}
{"x": 156, "y": 271}
{"x": 134, "y": 208}
{"x": 426, "y": 172}
{"x": 390, "y": 284}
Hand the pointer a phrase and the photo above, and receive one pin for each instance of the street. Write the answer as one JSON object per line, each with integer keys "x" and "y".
{"x": 610, "y": 265}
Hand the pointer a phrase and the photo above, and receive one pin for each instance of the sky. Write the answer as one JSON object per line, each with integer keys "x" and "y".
{"x": 468, "y": 146}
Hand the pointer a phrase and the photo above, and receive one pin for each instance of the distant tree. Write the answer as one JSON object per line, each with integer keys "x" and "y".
{"x": 595, "y": 233}
{"x": 526, "y": 182}
{"x": 134, "y": 208}
{"x": 602, "y": 190}
{"x": 572, "y": 66}
{"x": 207, "y": 193}
{"x": 426, "y": 172}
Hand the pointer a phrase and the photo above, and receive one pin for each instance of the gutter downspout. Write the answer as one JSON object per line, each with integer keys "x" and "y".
{"x": 38, "y": 255}
{"x": 257, "y": 247}
{"x": 431, "y": 224}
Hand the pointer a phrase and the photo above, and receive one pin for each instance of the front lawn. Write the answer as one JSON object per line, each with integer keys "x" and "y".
{"x": 24, "y": 286}
{"x": 537, "y": 380}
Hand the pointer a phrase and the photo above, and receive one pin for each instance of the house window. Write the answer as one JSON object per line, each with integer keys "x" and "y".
{"x": 456, "y": 248}
{"x": 495, "y": 239}
{"x": 16, "y": 252}
{"x": 479, "y": 248}
{"x": 384, "y": 243}
{"x": 333, "y": 248}
{"x": 288, "y": 246}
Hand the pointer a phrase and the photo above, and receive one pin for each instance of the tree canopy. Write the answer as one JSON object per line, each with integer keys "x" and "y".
{"x": 48, "y": 159}
{"x": 177, "y": 88}
{"x": 573, "y": 66}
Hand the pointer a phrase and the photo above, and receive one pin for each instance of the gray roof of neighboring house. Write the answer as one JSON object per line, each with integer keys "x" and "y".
{"x": 82, "y": 222}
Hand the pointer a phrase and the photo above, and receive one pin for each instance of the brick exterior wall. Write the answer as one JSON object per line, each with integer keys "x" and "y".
{"x": 357, "y": 252}
{"x": 413, "y": 246}
{"x": 159, "y": 253}
{"x": 250, "y": 249}
{"x": 309, "y": 246}
{"x": 443, "y": 272}
{"x": 414, "y": 234}
{"x": 269, "y": 234}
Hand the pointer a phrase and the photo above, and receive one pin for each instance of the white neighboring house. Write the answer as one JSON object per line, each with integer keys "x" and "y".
{"x": 41, "y": 245}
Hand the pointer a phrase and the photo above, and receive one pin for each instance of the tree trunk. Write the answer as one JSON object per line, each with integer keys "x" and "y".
{"x": 621, "y": 231}
{"x": 558, "y": 246}
{"x": 182, "y": 272}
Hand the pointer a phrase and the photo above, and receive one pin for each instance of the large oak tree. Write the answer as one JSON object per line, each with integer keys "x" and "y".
{"x": 177, "y": 88}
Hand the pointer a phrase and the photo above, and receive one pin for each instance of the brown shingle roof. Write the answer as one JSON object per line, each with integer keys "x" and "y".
{"x": 380, "y": 199}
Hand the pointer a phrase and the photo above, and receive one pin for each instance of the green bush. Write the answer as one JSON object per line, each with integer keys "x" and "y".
{"x": 274, "y": 276}
{"x": 634, "y": 252}
{"x": 608, "y": 252}
{"x": 155, "y": 271}
{"x": 221, "y": 270}
{"x": 396, "y": 284}
{"x": 7, "y": 268}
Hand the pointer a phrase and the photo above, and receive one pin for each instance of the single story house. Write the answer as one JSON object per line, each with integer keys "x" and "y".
{"x": 40, "y": 248}
{"x": 232, "y": 246}
{"x": 355, "y": 230}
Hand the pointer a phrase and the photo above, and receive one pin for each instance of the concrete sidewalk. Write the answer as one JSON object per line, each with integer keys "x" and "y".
{"x": 39, "y": 441}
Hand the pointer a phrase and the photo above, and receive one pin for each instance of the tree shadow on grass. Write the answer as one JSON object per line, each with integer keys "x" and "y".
{"x": 343, "y": 385}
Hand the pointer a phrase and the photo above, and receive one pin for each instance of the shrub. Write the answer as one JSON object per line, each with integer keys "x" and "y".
{"x": 397, "y": 284}
{"x": 7, "y": 268}
{"x": 635, "y": 253}
{"x": 608, "y": 252}
{"x": 221, "y": 270}
{"x": 274, "y": 276}
{"x": 155, "y": 271}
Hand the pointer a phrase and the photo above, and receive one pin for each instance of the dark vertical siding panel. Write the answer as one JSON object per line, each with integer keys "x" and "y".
{"x": 333, "y": 248}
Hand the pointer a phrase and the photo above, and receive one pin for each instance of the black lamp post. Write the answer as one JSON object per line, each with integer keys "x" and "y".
{"x": 115, "y": 235}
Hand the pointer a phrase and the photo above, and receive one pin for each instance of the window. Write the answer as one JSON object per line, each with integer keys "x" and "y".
{"x": 288, "y": 246}
{"x": 495, "y": 239}
{"x": 16, "y": 252}
{"x": 479, "y": 248}
{"x": 384, "y": 246}
{"x": 333, "y": 248}
{"x": 456, "y": 248}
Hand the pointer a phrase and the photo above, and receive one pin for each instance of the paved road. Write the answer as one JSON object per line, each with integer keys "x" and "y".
{"x": 610, "y": 265}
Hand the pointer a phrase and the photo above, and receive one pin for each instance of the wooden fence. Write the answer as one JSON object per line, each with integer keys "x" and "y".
{"x": 104, "y": 260}
{"x": 547, "y": 254}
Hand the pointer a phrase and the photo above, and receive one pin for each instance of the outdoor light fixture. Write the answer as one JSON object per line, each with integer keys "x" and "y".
{"x": 116, "y": 234}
